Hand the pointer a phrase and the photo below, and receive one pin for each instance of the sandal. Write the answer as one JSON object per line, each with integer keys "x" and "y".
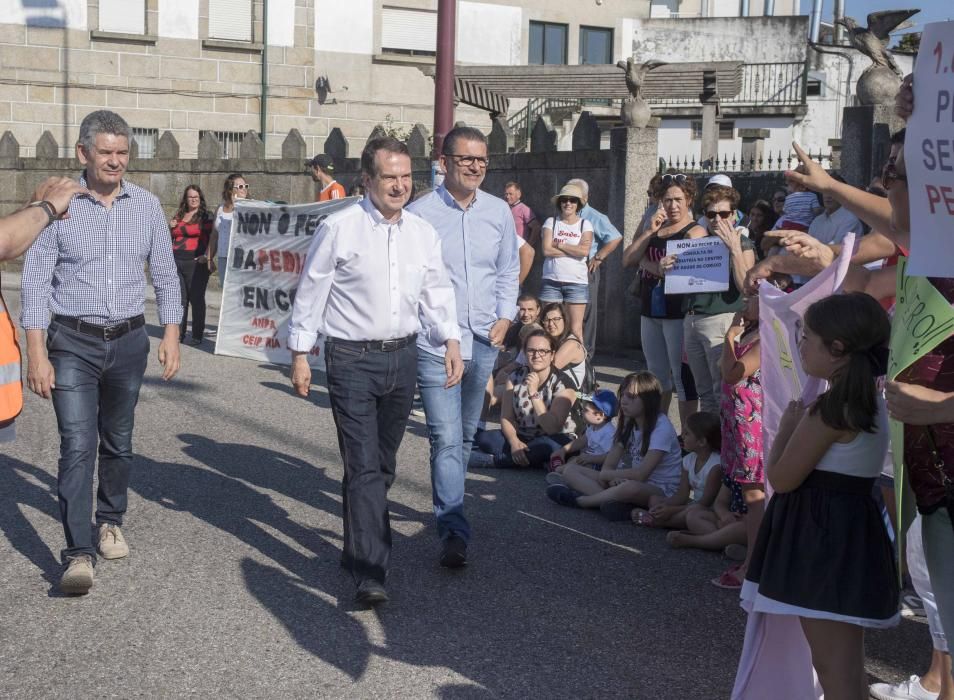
{"x": 730, "y": 579}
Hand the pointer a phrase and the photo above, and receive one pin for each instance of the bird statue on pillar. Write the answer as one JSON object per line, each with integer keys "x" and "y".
{"x": 880, "y": 81}
{"x": 635, "y": 111}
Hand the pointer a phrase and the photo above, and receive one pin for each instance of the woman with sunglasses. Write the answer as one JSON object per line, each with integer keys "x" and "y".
{"x": 535, "y": 418}
{"x": 709, "y": 314}
{"x": 566, "y": 245}
{"x": 191, "y": 230}
{"x": 570, "y": 353}
{"x": 661, "y": 321}
{"x": 235, "y": 188}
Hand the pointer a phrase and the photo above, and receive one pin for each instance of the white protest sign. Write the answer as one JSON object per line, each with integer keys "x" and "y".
{"x": 702, "y": 265}
{"x": 267, "y": 252}
{"x": 929, "y": 155}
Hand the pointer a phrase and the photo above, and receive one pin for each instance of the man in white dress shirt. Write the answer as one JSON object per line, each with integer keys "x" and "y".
{"x": 373, "y": 280}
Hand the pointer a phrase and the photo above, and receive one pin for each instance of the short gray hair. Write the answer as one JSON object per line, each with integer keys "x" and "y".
{"x": 101, "y": 121}
{"x": 582, "y": 184}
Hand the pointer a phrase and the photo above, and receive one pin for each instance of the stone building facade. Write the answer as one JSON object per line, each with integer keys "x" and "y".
{"x": 191, "y": 66}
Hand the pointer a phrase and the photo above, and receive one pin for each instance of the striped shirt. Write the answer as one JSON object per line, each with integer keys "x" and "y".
{"x": 91, "y": 265}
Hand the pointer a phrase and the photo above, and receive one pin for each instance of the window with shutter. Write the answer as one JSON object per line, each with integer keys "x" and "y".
{"x": 230, "y": 20}
{"x": 122, "y": 16}
{"x": 411, "y": 32}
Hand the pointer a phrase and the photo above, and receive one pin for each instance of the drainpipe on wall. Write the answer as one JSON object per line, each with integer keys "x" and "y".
{"x": 816, "y": 20}
{"x": 263, "y": 99}
{"x": 769, "y": 8}
{"x": 839, "y": 13}
{"x": 745, "y": 8}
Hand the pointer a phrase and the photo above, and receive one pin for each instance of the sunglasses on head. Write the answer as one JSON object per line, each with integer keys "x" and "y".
{"x": 677, "y": 178}
{"x": 721, "y": 214}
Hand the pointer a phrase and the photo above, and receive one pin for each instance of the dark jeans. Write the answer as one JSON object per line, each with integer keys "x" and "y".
{"x": 97, "y": 388}
{"x": 591, "y": 314}
{"x": 539, "y": 449}
{"x": 371, "y": 394}
{"x": 193, "y": 279}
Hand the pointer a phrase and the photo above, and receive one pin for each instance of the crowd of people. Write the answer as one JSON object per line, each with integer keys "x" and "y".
{"x": 442, "y": 315}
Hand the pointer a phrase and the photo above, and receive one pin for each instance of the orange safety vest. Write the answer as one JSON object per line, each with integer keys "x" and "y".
{"x": 11, "y": 383}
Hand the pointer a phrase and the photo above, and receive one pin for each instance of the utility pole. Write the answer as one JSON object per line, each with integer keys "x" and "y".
{"x": 444, "y": 75}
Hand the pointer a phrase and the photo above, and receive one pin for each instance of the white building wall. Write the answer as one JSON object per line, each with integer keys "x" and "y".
{"x": 488, "y": 33}
{"x": 179, "y": 19}
{"x": 281, "y": 22}
{"x": 344, "y": 27}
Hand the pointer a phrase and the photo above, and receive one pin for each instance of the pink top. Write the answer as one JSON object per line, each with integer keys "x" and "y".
{"x": 522, "y": 216}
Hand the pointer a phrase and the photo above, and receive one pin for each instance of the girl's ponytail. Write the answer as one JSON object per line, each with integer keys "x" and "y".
{"x": 860, "y": 325}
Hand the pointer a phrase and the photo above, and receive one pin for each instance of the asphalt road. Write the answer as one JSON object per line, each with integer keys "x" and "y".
{"x": 232, "y": 587}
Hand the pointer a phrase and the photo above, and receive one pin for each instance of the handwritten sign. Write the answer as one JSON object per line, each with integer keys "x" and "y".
{"x": 923, "y": 319}
{"x": 267, "y": 252}
{"x": 929, "y": 154}
{"x": 702, "y": 265}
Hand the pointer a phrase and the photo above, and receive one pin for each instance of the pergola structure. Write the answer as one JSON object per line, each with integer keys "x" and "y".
{"x": 491, "y": 87}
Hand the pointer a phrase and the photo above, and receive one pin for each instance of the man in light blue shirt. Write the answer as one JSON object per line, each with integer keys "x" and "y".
{"x": 606, "y": 238}
{"x": 479, "y": 247}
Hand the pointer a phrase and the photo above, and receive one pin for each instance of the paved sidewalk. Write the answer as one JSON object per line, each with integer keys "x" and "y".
{"x": 233, "y": 587}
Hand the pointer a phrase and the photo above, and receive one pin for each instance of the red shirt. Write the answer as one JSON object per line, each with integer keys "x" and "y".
{"x": 522, "y": 216}
{"x": 191, "y": 239}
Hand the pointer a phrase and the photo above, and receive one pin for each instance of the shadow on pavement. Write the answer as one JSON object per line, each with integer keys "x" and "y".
{"x": 20, "y": 491}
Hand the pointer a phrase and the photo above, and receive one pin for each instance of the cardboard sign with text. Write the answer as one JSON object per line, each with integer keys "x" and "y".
{"x": 929, "y": 154}
{"x": 267, "y": 252}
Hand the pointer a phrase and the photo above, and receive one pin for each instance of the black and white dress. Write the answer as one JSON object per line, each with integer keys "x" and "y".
{"x": 823, "y": 551}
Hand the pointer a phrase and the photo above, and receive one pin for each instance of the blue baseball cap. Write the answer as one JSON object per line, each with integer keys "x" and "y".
{"x": 604, "y": 399}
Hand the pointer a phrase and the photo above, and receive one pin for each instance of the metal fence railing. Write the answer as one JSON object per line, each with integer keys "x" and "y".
{"x": 772, "y": 161}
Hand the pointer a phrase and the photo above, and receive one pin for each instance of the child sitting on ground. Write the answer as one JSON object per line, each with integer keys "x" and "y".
{"x": 594, "y": 444}
{"x": 700, "y": 480}
{"x": 716, "y": 528}
{"x": 646, "y": 440}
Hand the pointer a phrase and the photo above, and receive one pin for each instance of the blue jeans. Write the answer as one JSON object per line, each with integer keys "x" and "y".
{"x": 371, "y": 392}
{"x": 451, "y": 416}
{"x": 539, "y": 449}
{"x": 97, "y": 388}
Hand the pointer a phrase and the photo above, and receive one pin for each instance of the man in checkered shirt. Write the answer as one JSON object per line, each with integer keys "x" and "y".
{"x": 84, "y": 284}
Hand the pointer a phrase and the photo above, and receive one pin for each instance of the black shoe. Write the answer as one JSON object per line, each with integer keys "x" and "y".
{"x": 195, "y": 342}
{"x": 371, "y": 593}
{"x": 453, "y": 553}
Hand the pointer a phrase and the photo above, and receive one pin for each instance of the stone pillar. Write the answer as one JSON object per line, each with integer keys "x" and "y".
{"x": 501, "y": 136}
{"x": 543, "y": 137}
{"x": 586, "y": 134}
{"x": 294, "y": 148}
{"x": 710, "y": 119}
{"x": 753, "y": 144}
{"x": 417, "y": 141}
{"x": 336, "y": 145}
{"x": 633, "y": 161}
{"x": 866, "y": 140}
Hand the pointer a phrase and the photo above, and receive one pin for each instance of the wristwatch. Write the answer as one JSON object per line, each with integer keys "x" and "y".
{"x": 536, "y": 395}
{"x": 47, "y": 207}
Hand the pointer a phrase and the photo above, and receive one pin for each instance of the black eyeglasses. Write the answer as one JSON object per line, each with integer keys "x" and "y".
{"x": 468, "y": 161}
{"x": 890, "y": 175}
{"x": 677, "y": 178}
{"x": 552, "y": 319}
{"x": 720, "y": 214}
{"x": 537, "y": 352}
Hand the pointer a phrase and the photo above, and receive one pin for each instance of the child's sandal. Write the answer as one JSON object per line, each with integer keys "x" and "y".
{"x": 641, "y": 517}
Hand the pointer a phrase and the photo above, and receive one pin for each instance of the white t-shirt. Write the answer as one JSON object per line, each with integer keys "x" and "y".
{"x": 668, "y": 473}
{"x": 697, "y": 481}
{"x": 566, "y": 269}
{"x": 599, "y": 439}
{"x": 223, "y": 224}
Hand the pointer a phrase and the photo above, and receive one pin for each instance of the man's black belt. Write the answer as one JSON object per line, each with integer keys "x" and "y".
{"x": 379, "y": 345}
{"x": 111, "y": 332}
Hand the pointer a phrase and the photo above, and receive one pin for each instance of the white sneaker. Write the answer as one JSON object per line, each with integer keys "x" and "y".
{"x": 112, "y": 544}
{"x": 910, "y": 689}
{"x": 912, "y": 606}
{"x": 554, "y": 478}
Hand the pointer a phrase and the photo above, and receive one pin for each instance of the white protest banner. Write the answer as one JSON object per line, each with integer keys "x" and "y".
{"x": 775, "y": 650}
{"x": 702, "y": 265}
{"x": 929, "y": 154}
{"x": 267, "y": 252}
